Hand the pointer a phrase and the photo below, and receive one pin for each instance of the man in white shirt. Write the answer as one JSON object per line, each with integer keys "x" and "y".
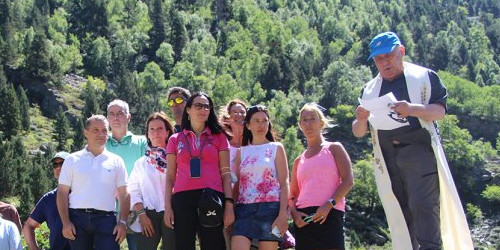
{"x": 95, "y": 177}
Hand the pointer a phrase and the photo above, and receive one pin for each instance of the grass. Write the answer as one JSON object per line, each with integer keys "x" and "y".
{"x": 41, "y": 130}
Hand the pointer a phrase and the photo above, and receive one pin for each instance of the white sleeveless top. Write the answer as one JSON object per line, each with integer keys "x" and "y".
{"x": 258, "y": 175}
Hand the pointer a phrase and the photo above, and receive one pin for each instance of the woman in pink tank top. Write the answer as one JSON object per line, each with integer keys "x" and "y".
{"x": 321, "y": 178}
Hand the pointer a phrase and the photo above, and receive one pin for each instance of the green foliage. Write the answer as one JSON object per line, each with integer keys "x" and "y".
{"x": 24, "y": 106}
{"x": 492, "y": 194}
{"x": 152, "y": 85}
{"x": 99, "y": 58}
{"x": 38, "y": 62}
{"x": 364, "y": 193}
{"x": 165, "y": 54}
{"x": 293, "y": 146}
{"x": 466, "y": 157}
{"x": 10, "y": 116}
{"x": 469, "y": 98}
{"x": 79, "y": 138}
{"x": 473, "y": 212}
{"x": 42, "y": 237}
{"x": 7, "y": 168}
{"x": 91, "y": 97}
{"x": 62, "y": 130}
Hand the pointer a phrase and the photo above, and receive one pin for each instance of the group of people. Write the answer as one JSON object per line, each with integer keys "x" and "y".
{"x": 226, "y": 179}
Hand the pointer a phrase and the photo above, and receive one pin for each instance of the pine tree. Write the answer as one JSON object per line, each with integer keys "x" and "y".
{"x": 91, "y": 98}
{"x": 39, "y": 181}
{"x": 158, "y": 33}
{"x": 62, "y": 130}
{"x": 10, "y": 121}
{"x": 78, "y": 138}
{"x": 3, "y": 78}
{"x": 18, "y": 164}
{"x": 178, "y": 35}
{"x": 26, "y": 197}
{"x": 38, "y": 59}
{"x": 7, "y": 173}
{"x": 24, "y": 107}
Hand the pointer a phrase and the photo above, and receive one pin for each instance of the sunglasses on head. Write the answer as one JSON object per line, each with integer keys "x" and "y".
{"x": 57, "y": 164}
{"x": 256, "y": 108}
{"x": 177, "y": 100}
{"x": 200, "y": 106}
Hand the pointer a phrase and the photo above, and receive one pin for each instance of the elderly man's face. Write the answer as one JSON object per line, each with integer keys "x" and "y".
{"x": 118, "y": 119}
{"x": 390, "y": 65}
{"x": 96, "y": 133}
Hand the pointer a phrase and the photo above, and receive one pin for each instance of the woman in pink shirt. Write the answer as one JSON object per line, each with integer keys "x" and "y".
{"x": 198, "y": 164}
{"x": 321, "y": 178}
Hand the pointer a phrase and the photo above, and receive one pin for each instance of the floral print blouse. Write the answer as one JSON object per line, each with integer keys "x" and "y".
{"x": 258, "y": 176}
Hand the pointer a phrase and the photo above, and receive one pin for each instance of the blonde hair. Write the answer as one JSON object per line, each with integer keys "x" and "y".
{"x": 312, "y": 106}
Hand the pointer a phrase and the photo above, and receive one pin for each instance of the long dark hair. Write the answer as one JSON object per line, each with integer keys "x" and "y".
{"x": 212, "y": 122}
{"x": 164, "y": 118}
{"x": 247, "y": 134}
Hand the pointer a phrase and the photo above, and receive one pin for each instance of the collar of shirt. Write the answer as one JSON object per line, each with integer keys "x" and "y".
{"x": 88, "y": 153}
{"x": 206, "y": 130}
{"x": 125, "y": 140}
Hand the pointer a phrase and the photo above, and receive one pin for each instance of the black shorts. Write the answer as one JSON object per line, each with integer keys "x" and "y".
{"x": 328, "y": 235}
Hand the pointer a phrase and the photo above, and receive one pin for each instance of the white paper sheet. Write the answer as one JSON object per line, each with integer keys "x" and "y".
{"x": 381, "y": 116}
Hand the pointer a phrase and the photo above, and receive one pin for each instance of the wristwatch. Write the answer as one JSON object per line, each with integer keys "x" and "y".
{"x": 123, "y": 222}
{"x": 332, "y": 202}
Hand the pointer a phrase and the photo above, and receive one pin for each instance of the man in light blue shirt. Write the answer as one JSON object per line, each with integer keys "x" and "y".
{"x": 10, "y": 239}
{"x": 124, "y": 143}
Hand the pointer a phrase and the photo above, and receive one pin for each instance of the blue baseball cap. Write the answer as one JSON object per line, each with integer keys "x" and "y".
{"x": 383, "y": 43}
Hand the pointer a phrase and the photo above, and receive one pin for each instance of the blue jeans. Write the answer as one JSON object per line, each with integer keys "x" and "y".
{"x": 93, "y": 230}
{"x": 132, "y": 241}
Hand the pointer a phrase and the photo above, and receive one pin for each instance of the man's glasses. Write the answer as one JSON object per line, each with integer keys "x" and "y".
{"x": 177, "y": 100}
{"x": 200, "y": 106}
{"x": 57, "y": 164}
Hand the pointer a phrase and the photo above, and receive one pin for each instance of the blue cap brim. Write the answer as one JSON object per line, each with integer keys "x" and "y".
{"x": 382, "y": 50}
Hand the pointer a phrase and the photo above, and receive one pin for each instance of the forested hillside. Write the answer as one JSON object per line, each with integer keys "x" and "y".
{"x": 63, "y": 60}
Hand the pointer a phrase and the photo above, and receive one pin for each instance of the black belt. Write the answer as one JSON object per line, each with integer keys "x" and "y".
{"x": 93, "y": 211}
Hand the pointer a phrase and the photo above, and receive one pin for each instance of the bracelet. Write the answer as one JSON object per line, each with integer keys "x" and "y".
{"x": 141, "y": 211}
{"x": 225, "y": 173}
{"x": 231, "y": 200}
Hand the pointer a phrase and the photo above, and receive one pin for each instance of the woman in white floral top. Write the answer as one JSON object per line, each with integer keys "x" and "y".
{"x": 262, "y": 188}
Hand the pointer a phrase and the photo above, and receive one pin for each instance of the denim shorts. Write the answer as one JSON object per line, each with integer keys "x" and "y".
{"x": 254, "y": 220}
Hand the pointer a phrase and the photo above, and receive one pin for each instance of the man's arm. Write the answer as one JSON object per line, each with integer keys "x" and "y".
{"x": 360, "y": 124}
{"x": 427, "y": 112}
{"x": 69, "y": 230}
{"x": 124, "y": 204}
{"x": 29, "y": 233}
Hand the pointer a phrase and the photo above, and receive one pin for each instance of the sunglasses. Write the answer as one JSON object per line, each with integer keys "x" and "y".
{"x": 57, "y": 164}
{"x": 200, "y": 106}
{"x": 177, "y": 100}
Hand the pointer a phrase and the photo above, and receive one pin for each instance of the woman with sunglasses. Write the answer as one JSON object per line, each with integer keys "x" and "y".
{"x": 321, "y": 178}
{"x": 198, "y": 160}
{"x": 262, "y": 186}
{"x": 146, "y": 186}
